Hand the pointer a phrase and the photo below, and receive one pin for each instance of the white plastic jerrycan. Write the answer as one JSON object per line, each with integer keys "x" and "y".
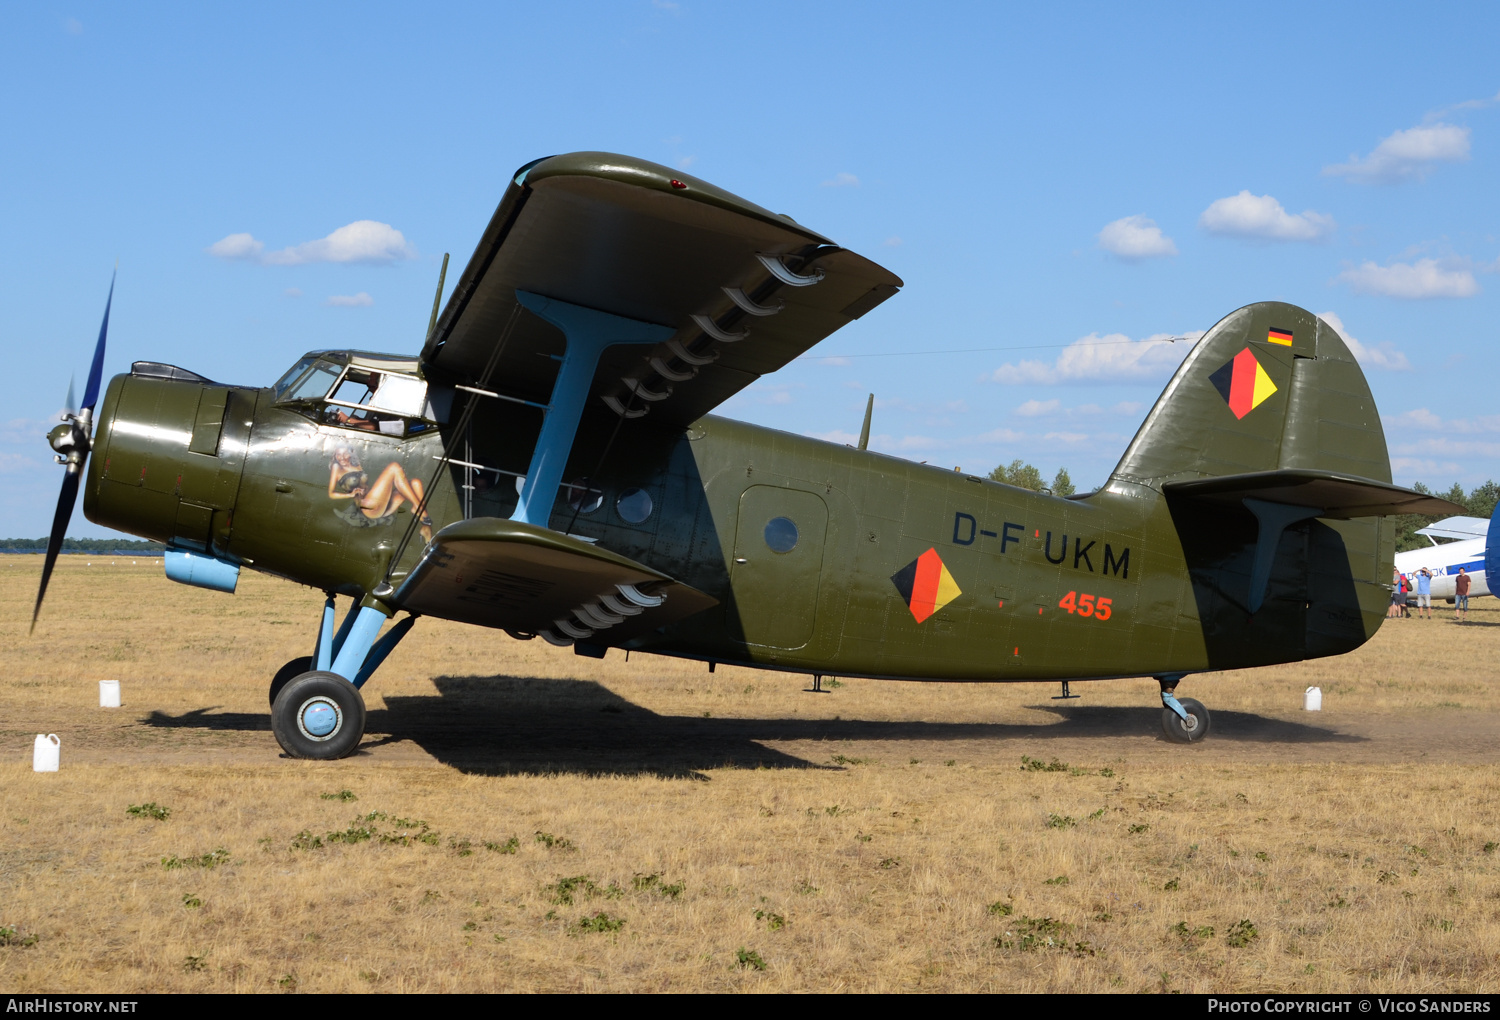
{"x": 1313, "y": 699}
{"x": 109, "y": 694}
{"x": 46, "y": 755}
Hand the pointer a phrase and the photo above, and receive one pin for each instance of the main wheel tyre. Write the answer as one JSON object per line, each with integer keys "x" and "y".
{"x": 1190, "y": 730}
{"x": 286, "y": 674}
{"x": 318, "y": 715}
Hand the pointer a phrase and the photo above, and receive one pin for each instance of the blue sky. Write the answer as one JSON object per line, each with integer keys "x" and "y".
{"x": 1039, "y": 177}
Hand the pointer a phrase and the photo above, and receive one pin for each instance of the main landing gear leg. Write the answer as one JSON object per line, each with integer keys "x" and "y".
{"x": 318, "y": 712}
{"x": 1184, "y": 720}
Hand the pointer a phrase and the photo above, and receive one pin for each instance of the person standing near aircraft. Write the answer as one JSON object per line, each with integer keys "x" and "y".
{"x": 1398, "y": 597}
{"x": 1461, "y": 595}
{"x": 1424, "y": 592}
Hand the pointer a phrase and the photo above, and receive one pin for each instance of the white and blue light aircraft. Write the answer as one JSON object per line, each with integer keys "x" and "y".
{"x": 1469, "y": 542}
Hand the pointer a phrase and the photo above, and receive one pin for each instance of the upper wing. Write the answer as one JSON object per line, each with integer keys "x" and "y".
{"x": 499, "y": 573}
{"x": 642, "y": 241}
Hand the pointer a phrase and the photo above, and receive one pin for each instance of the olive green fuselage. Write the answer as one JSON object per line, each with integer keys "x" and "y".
{"x": 1122, "y": 582}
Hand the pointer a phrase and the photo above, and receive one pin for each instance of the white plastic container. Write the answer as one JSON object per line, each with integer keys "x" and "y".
{"x": 46, "y": 755}
{"x": 1313, "y": 699}
{"x": 109, "y": 694}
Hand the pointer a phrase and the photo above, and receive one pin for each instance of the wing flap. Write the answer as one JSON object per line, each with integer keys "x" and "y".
{"x": 499, "y": 573}
{"x": 1335, "y": 496}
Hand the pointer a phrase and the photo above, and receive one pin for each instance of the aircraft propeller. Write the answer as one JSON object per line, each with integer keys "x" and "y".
{"x": 73, "y": 440}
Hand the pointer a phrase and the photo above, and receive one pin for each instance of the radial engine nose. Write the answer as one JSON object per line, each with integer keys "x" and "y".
{"x": 168, "y": 454}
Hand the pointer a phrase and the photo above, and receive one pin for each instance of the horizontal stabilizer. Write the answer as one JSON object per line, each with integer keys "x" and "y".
{"x": 520, "y": 577}
{"x": 1335, "y": 496}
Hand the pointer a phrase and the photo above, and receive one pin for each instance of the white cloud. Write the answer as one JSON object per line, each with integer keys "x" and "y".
{"x": 1407, "y": 155}
{"x": 1037, "y": 408}
{"x": 237, "y": 246}
{"x": 1261, "y": 216}
{"x": 1111, "y": 358}
{"x": 1425, "y": 278}
{"x": 1423, "y": 420}
{"x": 360, "y": 241}
{"x": 73, "y": 26}
{"x": 1382, "y": 355}
{"x": 360, "y": 300}
{"x": 1135, "y": 237}
{"x": 1000, "y": 436}
{"x": 1443, "y": 446}
{"x": 686, "y": 161}
{"x": 892, "y": 242}
{"x": 292, "y": 292}
{"x": 1468, "y": 104}
{"x": 842, "y": 180}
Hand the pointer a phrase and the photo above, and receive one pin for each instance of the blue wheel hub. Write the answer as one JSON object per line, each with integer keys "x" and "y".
{"x": 319, "y": 718}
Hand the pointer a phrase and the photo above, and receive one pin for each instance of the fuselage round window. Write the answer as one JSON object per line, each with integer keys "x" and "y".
{"x": 781, "y": 534}
{"x": 634, "y": 505}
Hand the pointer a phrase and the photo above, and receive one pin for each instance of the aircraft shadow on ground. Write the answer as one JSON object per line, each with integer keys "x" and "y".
{"x": 505, "y": 725}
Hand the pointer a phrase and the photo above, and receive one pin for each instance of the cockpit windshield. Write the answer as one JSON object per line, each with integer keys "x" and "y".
{"x": 310, "y": 384}
{"x": 292, "y": 375}
{"x": 373, "y": 393}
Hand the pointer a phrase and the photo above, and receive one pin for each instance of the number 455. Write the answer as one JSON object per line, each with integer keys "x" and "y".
{"x": 1085, "y": 605}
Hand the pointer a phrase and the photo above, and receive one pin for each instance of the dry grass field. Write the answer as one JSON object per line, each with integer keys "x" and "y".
{"x": 523, "y": 818}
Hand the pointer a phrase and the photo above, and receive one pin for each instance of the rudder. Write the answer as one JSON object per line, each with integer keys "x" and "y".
{"x": 1271, "y": 386}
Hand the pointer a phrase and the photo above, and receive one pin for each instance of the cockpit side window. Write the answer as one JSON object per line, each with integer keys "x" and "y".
{"x": 373, "y": 401}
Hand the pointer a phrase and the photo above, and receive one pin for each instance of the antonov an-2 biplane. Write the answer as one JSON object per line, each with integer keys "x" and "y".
{"x": 548, "y": 465}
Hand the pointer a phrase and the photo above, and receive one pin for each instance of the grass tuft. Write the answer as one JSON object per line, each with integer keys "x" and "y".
{"x": 149, "y": 810}
{"x": 1241, "y": 934}
{"x": 600, "y": 922}
{"x": 749, "y": 959}
{"x": 16, "y": 937}
{"x": 208, "y": 860}
{"x": 552, "y": 842}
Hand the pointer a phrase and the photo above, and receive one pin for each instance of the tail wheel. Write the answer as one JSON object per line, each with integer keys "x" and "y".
{"x": 1186, "y": 731}
{"x": 319, "y": 716}
{"x": 286, "y": 674}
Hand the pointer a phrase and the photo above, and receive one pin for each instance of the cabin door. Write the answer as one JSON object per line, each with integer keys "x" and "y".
{"x": 778, "y": 563}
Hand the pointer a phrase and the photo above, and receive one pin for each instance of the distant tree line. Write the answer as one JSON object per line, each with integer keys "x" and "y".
{"x": 97, "y": 546}
{"x": 1025, "y": 476}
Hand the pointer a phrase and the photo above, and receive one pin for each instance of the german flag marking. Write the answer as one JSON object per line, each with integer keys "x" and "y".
{"x": 1243, "y": 383}
{"x": 1279, "y": 336}
{"x": 925, "y": 585}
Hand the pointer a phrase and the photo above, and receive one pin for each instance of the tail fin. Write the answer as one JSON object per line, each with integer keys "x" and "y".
{"x": 1270, "y": 387}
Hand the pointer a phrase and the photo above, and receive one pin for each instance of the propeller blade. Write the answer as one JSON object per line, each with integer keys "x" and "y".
{"x": 96, "y": 370}
{"x": 60, "y": 519}
{"x": 71, "y": 407}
